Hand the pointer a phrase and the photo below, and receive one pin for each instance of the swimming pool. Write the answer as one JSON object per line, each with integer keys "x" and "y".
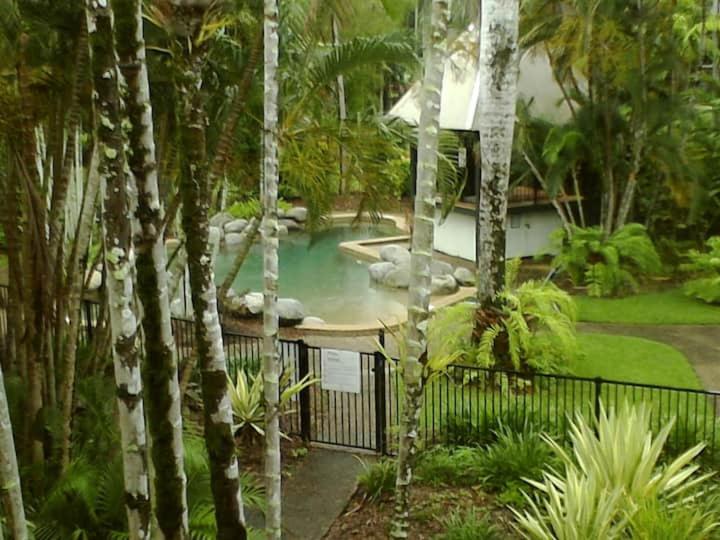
{"x": 332, "y": 285}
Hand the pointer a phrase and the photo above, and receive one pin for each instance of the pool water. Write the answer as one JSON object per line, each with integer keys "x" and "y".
{"x": 331, "y": 284}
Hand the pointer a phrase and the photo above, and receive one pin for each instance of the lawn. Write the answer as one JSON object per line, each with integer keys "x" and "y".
{"x": 664, "y": 307}
{"x": 634, "y": 359}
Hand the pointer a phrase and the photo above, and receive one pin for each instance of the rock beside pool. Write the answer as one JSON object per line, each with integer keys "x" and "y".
{"x": 233, "y": 239}
{"x": 464, "y": 276}
{"x": 398, "y": 277}
{"x": 378, "y": 271}
{"x": 395, "y": 254}
{"x": 282, "y": 230}
{"x": 236, "y": 226}
{"x": 313, "y": 321}
{"x": 219, "y": 220}
{"x": 95, "y": 278}
{"x": 298, "y": 213}
{"x": 443, "y": 285}
{"x": 291, "y": 224}
{"x": 290, "y": 311}
{"x": 247, "y": 306}
{"x": 441, "y": 268}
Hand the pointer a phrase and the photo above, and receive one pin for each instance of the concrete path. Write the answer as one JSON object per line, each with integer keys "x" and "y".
{"x": 700, "y": 344}
{"x": 316, "y": 493}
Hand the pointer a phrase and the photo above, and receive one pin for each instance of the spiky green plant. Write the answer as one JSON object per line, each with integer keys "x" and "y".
{"x": 248, "y": 403}
{"x": 613, "y": 471}
{"x": 705, "y": 266}
{"x": 607, "y": 265}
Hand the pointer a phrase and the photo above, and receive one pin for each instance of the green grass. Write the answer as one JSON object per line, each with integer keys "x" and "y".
{"x": 665, "y": 307}
{"x": 632, "y": 359}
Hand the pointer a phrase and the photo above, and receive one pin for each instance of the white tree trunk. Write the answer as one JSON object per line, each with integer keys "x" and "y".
{"x": 161, "y": 370}
{"x": 10, "y": 491}
{"x": 271, "y": 356}
{"x": 120, "y": 266}
{"x": 422, "y": 252}
{"x": 499, "y": 56}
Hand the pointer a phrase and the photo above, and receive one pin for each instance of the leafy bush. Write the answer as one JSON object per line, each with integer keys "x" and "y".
{"x": 468, "y": 526}
{"x": 706, "y": 269}
{"x": 377, "y": 479}
{"x": 534, "y": 328}
{"x": 696, "y": 521}
{"x": 613, "y": 472}
{"x": 610, "y": 265}
{"x": 461, "y": 466}
{"x": 250, "y": 208}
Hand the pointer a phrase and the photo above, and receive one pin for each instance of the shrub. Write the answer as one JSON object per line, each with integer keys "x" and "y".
{"x": 250, "y": 208}
{"x": 377, "y": 479}
{"x": 468, "y": 526}
{"x": 462, "y": 466}
{"x": 610, "y": 265}
{"x": 705, "y": 266}
{"x": 697, "y": 521}
{"x": 613, "y": 472}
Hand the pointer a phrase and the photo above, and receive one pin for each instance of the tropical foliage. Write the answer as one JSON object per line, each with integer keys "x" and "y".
{"x": 613, "y": 480}
{"x": 606, "y": 265}
{"x": 705, "y": 267}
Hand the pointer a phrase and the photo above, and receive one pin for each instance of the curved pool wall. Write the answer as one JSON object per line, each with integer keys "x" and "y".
{"x": 331, "y": 283}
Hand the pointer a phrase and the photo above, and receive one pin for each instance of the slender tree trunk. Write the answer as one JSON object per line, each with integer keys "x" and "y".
{"x": 196, "y": 192}
{"x": 578, "y": 196}
{"x": 10, "y": 490}
{"x": 160, "y": 368}
{"x": 246, "y": 242}
{"x": 271, "y": 345}
{"x": 556, "y": 205}
{"x": 422, "y": 252}
{"x": 499, "y": 55}
{"x": 119, "y": 265}
{"x": 342, "y": 108}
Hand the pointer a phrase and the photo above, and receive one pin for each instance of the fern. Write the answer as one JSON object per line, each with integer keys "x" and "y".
{"x": 705, "y": 267}
{"x": 606, "y": 266}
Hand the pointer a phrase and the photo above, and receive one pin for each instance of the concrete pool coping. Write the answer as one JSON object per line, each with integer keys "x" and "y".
{"x": 368, "y": 250}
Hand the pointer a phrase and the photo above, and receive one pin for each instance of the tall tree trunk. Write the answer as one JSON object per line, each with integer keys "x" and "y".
{"x": 160, "y": 368}
{"x": 499, "y": 55}
{"x": 342, "y": 108}
{"x": 422, "y": 252}
{"x": 246, "y": 241}
{"x": 120, "y": 268}
{"x": 271, "y": 345}
{"x": 209, "y": 348}
{"x": 10, "y": 490}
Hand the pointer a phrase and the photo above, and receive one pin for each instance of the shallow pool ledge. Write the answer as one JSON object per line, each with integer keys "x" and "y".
{"x": 350, "y": 330}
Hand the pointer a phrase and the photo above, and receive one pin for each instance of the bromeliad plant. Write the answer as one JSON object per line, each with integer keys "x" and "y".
{"x": 613, "y": 474}
{"x": 248, "y": 403}
{"x": 705, "y": 266}
{"x": 607, "y": 265}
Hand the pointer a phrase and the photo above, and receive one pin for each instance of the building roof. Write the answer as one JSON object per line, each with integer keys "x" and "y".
{"x": 461, "y": 89}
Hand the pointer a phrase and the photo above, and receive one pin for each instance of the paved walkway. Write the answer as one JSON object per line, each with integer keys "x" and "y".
{"x": 316, "y": 493}
{"x": 700, "y": 344}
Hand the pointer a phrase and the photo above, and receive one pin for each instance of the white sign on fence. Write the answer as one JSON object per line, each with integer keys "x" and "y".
{"x": 340, "y": 371}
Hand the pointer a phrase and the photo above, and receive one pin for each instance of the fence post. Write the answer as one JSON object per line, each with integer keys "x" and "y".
{"x": 598, "y": 395}
{"x": 304, "y": 370}
{"x": 380, "y": 404}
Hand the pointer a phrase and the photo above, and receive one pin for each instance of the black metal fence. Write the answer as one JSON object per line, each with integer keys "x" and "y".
{"x": 466, "y": 404}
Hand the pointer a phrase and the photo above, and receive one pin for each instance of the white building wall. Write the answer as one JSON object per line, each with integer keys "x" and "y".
{"x": 528, "y": 232}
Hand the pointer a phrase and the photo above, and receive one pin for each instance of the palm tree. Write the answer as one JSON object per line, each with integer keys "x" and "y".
{"x": 120, "y": 264}
{"x": 422, "y": 252}
{"x": 9, "y": 475}
{"x": 499, "y": 55}
{"x": 271, "y": 345}
{"x": 160, "y": 367}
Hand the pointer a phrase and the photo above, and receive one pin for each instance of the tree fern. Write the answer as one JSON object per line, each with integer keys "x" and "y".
{"x": 607, "y": 266}
{"x": 705, "y": 266}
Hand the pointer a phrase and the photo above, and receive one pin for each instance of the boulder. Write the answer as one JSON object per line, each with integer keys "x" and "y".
{"x": 233, "y": 239}
{"x": 214, "y": 236}
{"x": 254, "y": 302}
{"x": 171, "y": 245}
{"x": 290, "y": 311}
{"x": 235, "y": 226}
{"x": 395, "y": 254}
{"x": 95, "y": 279}
{"x": 245, "y": 307}
{"x": 291, "y": 224}
{"x": 464, "y": 276}
{"x": 441, "y": 268}
{"x": 378, "y": 271}
{"x": 219, "y": 220}
{"x": 298, "y": 214}
{"x": 443, "y": 285}
{"x": 282, "y": 230}
{"x": 313, "y": 320}
{"x": 398, "y": 277}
